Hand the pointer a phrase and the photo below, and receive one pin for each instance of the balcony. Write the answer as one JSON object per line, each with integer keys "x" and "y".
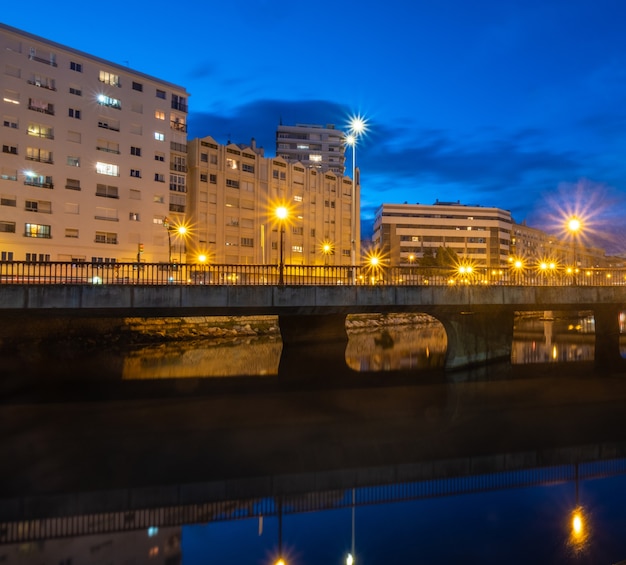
{"x": 39, "y": 184}
{"x": 42, "y": 85}
{"x": 40, "y": 159}
{"x": 48, "y": 110}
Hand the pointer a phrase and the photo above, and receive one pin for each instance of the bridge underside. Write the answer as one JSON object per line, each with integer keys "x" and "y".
{"x": 475, "y": 337}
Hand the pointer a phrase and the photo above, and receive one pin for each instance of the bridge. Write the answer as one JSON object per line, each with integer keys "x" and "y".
{"x": 477, "y": 310}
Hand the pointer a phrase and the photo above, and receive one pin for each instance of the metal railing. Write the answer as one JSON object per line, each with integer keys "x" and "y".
{"x": 23, "y": 272}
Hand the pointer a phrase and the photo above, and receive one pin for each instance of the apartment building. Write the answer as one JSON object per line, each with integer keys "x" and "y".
{"x": 234, "y": 192}
{"x": 93, "y": 161}
{"x": 313, "y": 146}
{"x": 402, "y": 232}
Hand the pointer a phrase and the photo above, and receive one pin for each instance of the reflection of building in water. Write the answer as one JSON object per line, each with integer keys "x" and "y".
{"x": 158, "y": 546}
{"x": 397, "y": 348}
{"x": 196, "y": 359}
{"x": 552, "y": 339}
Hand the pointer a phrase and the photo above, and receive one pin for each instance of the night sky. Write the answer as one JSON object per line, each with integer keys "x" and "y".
{"x": 519, "y": 105}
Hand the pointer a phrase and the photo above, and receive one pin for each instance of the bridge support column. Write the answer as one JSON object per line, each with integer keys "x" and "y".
{"x": 607, "y": 351}
{"x": 313, "y": 347}
{"x": 477, "y": 337}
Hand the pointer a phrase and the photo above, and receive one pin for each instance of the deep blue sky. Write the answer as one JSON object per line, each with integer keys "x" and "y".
{"x": 518, "y": 104}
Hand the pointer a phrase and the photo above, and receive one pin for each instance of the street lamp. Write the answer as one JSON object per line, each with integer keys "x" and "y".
{"x": 574, "y": 225}
{"x": 182, "y": 234}
{"x": 281, "y": 215}
{"x": 166, "y": 225}
{"x": 357, "y": 127}
{"x": 327, "y": 249}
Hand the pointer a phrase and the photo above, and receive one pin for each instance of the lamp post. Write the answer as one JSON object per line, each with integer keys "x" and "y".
{"x": 574, "y": 226}
{"x": 166, "y": 225}
{"x": 281, "y": 214}
{"x": 182, "y": 234}
{"x": 357, "y": 126}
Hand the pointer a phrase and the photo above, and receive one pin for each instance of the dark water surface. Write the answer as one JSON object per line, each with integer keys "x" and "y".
{"x": 166, "y": 454}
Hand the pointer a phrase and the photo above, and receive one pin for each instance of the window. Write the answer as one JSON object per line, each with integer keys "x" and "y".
{"x": 105, "y": 237}
{"x": 39, "y": 105}
{"x": 39, "y": 155}
{"x": 107, "y": 169}
{"x": 6, "y": 200}
{"x": 159, "y": 177}
{"x": 107, "y": 191}
{"x": 41, "y": 181}
{"x": 33, "y": 257}
{"x": 135, "y": 173}
{"x": 159, "y": 115}
{"x": 177, "y": 123}
{"x": 105, "y": 100}
{"x": 37, "y": 230}
{"x": 213, "y": 179}
{"x": 6, "y": 255}
{"x": 78, "y": 67}
{"x": 40, "y": 130}
{"x": 71, "y": 232}
{"x": 11, "y": 97}
{"x": 6, "y": 227}
{"x": 179, "y": 103}
{"x": 232, "y": 183}
{"x": 204, "y": 158}
{"x": 136, "y": 107}
{"x": 246, "y": 168}
{"x": 73, "y": 161}
{"x": 72, "y": 208}
{"x": 74, "y": 136}
{"x": 10, "y": 122}
{"x": 247, "y": 242}
{"x": 42, "y": 82}
{"x": 159, "y": 157}
{"x": 135, "y": 151}
{"x": 108, "y": 123}
{"x": 137, "y": 86}
{"x": 231, "y": 164}
{"x": 72, "y": 184}
{"x": 204, "y": 178}
{"x": 108, "y": 214}
{"x": 134, "y": 194}
{"x": 160, "y": 94}
{"x": 159, "y": 136}
{"x": 74, "y": 113}
{"x": 297, "y": 198}
{"x": 133, "y": 216}
{"x": 109, "y": 78}
{"x": 76, "y": 91}
{"x": 12, "y": 149}
{"x": 108, "y": 146}
{"x": 177, "y": 183}
{"x": 296, "y": 248}
{"x": 8, "y": 174}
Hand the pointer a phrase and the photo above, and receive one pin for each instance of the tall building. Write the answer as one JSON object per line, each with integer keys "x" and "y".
{"x": 403, "y": 232}
{"x": 93, "y": 156}
{"x": 234, "y": 192}
{"x": 314, "y": 146}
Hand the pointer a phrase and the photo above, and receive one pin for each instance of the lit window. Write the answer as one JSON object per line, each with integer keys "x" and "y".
{"x": 107, "y": 169}
{"x": 297, "y": 198}
{"x": 109, "y": 78}
{"x": 105, "y": 100}
{"x": 231, "y": 163}
{"x": 159, "y": 136}
{"x": 159, "y": 115}
{"x": 315, "y": 158}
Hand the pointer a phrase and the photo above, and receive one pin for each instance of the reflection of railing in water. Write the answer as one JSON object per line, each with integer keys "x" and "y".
{"x": 74, "y": 525}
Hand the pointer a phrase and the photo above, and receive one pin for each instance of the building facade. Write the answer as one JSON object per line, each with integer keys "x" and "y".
{"x": 313, "y": 146}
{"x": 403, "y": 232}
{"x": 234, "y": 192}
{"x": 93, "y": 156}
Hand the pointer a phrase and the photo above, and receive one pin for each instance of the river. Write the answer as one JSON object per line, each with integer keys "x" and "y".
{"x": 201, "y": 451}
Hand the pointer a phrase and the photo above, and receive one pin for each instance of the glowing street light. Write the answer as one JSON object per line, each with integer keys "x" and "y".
{"x": 182, "y": 235}
{"x": 357, "y": 127}
{"x": 327, "y": 250}
{"x": 281, "y": 215}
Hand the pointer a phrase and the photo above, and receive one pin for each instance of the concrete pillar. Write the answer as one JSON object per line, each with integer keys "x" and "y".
{"x": 314, "y": 347}
{"x": 478, "y": 337}
{"x": 607, "y": 351}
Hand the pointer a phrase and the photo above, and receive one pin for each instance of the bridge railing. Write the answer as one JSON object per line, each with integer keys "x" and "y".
{"x": 57, "y": 273}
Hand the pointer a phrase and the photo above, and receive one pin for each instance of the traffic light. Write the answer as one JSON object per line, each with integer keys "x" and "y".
{"x": 141, "y": 248}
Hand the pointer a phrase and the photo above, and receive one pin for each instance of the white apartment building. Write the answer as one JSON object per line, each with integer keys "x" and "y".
{"x": 93, "y": 156}
{"x": 402, "y": 232}
{"x": 314, "y": 146}
{"x": 234, "y": 192}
